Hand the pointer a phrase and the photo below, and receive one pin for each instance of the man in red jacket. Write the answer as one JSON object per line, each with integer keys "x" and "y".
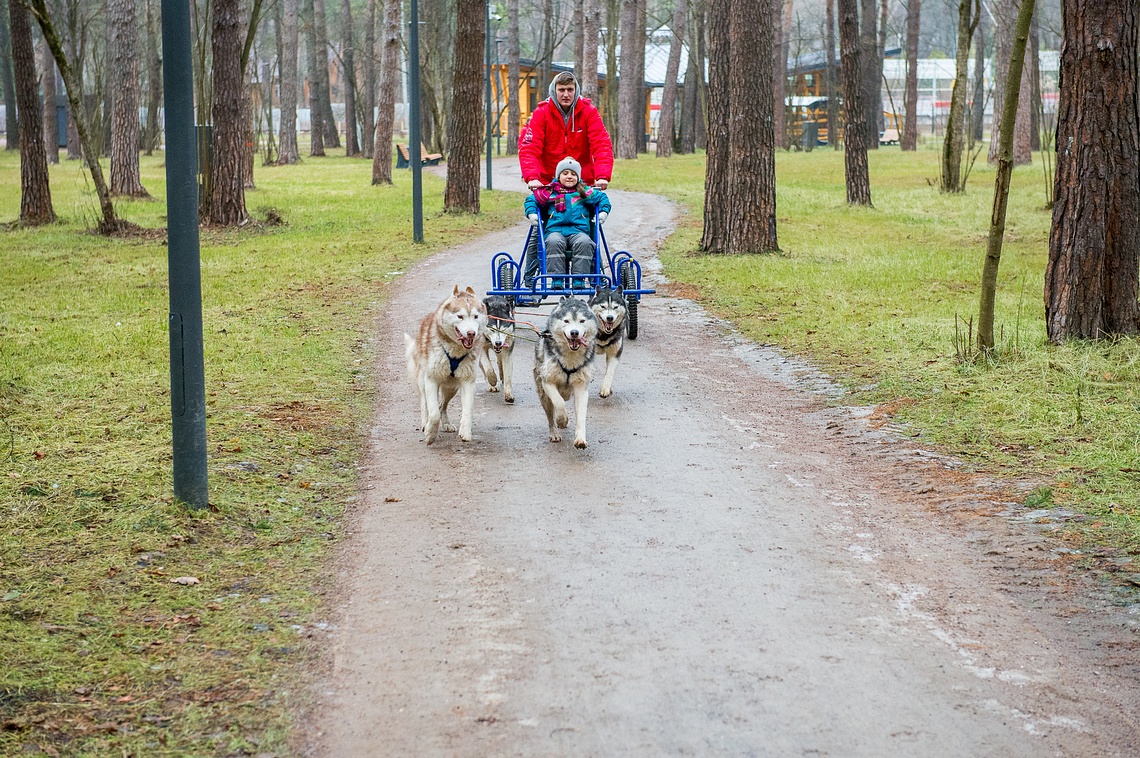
{"x": 565, "y": 126}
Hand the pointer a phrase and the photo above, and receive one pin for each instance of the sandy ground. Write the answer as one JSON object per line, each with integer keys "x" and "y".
{"x": 735, "y": 566}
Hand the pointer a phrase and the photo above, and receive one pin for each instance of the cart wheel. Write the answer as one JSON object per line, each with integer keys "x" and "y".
{"x": 629, "y": 282}
{"x": 506, "y": 278}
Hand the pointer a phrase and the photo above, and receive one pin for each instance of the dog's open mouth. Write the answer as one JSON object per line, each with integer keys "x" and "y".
{"x": 607, "y": 326}
{"x": 499, "y": 348}
{"x": 575, "y": 343}
{"x": 467, "y": 340}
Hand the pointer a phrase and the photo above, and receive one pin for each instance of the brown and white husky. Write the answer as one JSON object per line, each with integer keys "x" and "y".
{"x": 441, "y": 362}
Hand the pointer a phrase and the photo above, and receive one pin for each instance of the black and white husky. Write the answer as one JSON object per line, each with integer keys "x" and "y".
{"x": 609, "y": 309}
{"x": 562, "y": 365}
{"x": 500, "y": 337}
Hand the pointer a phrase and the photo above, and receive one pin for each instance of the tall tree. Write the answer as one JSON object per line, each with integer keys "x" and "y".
{"x": 328, "y": 118}
{"x": 51, "y": 125}
{"x": 718, "y": 162}
{"x": 752, "y": 219}
{"x": 226, "y": 204}
{"x": 152, "y": 135}
{"x": 641, "y": 135}
{"x": 872, "y": 100}
{"x": 909, "y": 140}
{"x": 71, "y": 81}
{"x": 514, "y": 113}
{"x": 592, "y": 20}
{"x": 386, "y": 94}
{"x": 287, "y": 150}
{"x": 629, "y": 88}
{"x": 348, "y": 65}
{"x": 669, "y": 93}
{"x": 8, "y": 83}
{"x": 978, "y": 110}
{"x": 1091, "y": 276}
{"x": 855, "y": 131}
{"x": 465, "y": 127}
{"x": 952, "y": 179}
{"x": 779, "y": 83}
{"x": 368, "y": 122}
{"x": 610, "y": 94}
{"x": 1006, "y": 16}
{"x": 315, "y": 57}
{"x": 578, "y": 24}
{"x": 832, "y": 76}
{"x": 35, "y": 189}
{"x": 1005, "y": 172}
{"x": 1034, "y": 64}
{"x": 125, "y": 127}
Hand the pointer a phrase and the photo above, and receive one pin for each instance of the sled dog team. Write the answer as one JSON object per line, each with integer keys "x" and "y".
{"x": 465, "y": 330}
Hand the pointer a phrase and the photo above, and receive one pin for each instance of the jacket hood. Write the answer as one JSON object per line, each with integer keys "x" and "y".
{"x": 566, "y": 114}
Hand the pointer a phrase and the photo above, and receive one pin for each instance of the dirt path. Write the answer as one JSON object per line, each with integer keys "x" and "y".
{"x": 731, "y": 568}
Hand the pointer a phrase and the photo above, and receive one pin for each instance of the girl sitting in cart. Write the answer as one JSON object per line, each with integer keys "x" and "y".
{"x": 567, "y": 206}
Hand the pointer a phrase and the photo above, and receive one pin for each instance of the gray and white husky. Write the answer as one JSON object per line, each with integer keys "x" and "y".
{"x": 501, "y": 339}
{"x": 562, "y": 365}
{"x": 609, "y": 309}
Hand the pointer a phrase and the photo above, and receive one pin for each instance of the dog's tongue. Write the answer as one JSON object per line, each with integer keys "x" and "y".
{"x": 575, "y": 343}
{"x": 467, "y": 340}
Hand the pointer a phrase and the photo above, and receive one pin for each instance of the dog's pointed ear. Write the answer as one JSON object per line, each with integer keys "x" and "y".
{"x": 619, "y": 290}
{"x": 470, "y": 291}
{"x": 455, "y": 293}
{"x": 597, "y": 290}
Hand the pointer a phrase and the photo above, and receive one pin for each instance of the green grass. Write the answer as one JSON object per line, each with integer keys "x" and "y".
{"x": 103, "y": 654}
{"x": 881, "y": 298}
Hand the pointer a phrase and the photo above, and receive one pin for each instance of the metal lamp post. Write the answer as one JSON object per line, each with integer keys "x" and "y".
{"x": 414, "y": 123}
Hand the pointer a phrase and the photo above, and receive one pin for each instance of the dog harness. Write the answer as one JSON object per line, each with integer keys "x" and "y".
{"x": 455, "y": 361}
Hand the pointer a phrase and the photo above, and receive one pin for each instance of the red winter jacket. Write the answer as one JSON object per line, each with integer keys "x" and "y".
{"x": 548, "y": 138}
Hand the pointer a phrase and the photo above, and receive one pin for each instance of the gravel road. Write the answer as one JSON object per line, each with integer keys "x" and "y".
{"x": 734, "y": 567}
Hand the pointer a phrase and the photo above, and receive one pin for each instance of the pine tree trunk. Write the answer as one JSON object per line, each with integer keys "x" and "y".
{"x": 315, "y": 54}
{"x": 51, "y": 126}
{"x": 855, "y": 130}
{"x": 642, "y": 128}
{"x": 669, "y": 93}
{"x": 629, "y": 89}
{"x": 328, "y": 118}
{"x": 514, "y": 112}
{"x": 125, "y": 125}
{"x": 153, "y": 133}
{"x": 465, "y": 129}
{"x": 909, "y": 140}
{"x": 688, "y": 138}
{"x": 348, "y": 56}
{"x": 1034, "y": 65}
{"x": 386, "y": 95}
{"x": 752, "y": 188}
{"x": 832, "y": 77}
{"x": 1091, "y": 276}
{"x": 368, "y": 127}
{"x": 592, "y": 18}
{"x": 780, "y": 112}
{"x": 872, "y": 95}
{"x": 8, "y": 83}
{"x": 35, "y": 189}
{"x": 978, "y": 111}
{"x": 226, "y": 206}
{"x": 610, "y": 98}
{"x": 701, "y": 134}
{"x": 718, "y": 164}
{"x": 287, "y": 150}
{"x": 578, "y": 24}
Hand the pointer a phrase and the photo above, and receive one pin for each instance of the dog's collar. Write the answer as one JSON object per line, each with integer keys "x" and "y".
{"x": 454, "y": 361}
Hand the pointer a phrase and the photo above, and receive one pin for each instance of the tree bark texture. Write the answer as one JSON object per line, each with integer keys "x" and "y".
{"x": 872, "y": 100}
{"x": 752, "y": 204}
{"x": 125, "y": 127}
{"x": 314, "y": 57}
{"x": 465, "y": 130}
{"x": 701, "y": 120}
{"x": 226, "y": 206}
{"x": 1001, "y": 181}
{"x": 629, "y": 89}
{"x": 832, "y": 77}
{"x": 669, "y": 93}
{"x": 386, "y": 94}
{"x": 1034, "y": 65}
{"x": 978, "y": 110}
{"x": 578, "y": 24}
{"x": 368, "y": 125}
{"x": 686, "y": 142}
{"x": 589, "y": 80}
{"x": 152, "y": 134}
{"x": 74, "y": 88}
{"x": 1006, "y": 15}
{"x": 956, "y": 123}
{"x": 1091, "y": 276}
{"x": 348, "y": 65}
{"x": 328, "y": 118}
{"x": 779, "y": 61}
{"x": 287, "y": 150}
{"x": 35, "y": 188}
{"x": 855, "y": 132}
{"x": 639, "y": 51}
{"x": 909, "y": 140}
{"x": 592, "y": 18}
{"x": 718, "y": 164}
{"x": 8, "y": 83}
{"x": 51, "y": 126}
{"x": 610, "y": 94}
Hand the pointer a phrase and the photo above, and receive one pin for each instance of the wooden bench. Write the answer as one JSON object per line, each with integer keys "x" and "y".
{"x": 889, "y": 137}
{"x": 404, "y": 157}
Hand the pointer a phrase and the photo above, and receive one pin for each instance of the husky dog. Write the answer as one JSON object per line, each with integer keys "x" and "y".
{"x": 438, "y": 365}
{"x": 609, "y": 309}
{"x": 562, "y": 365}
{"x": 501, "y": 339}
